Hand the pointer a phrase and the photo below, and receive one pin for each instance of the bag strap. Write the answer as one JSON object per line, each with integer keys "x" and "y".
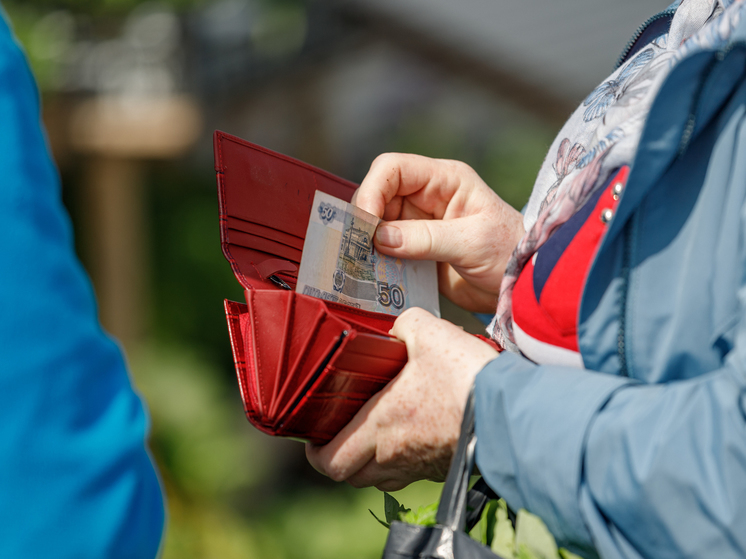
{"x": 476, "y": 499}
{"x": 461, "y": 508}
{"x": 452, "y": 508}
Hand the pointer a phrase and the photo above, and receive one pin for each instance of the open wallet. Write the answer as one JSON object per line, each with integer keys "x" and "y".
{"x": 305, "y": 366}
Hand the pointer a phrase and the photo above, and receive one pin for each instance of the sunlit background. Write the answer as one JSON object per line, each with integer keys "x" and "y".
{"x": 132, "y": 92}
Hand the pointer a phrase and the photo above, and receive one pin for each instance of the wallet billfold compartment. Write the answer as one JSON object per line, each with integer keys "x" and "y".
{"x": 305, "y": 366}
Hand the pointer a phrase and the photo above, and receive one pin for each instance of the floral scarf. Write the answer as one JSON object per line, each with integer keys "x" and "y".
{"x": 603, "y": 134}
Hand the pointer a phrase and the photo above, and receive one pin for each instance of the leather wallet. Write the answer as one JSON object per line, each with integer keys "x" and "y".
{"x": 304, "y": 366}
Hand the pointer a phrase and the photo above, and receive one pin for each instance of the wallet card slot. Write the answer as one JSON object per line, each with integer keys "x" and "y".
{"x": 238, "y": 325}
{"x": 249, "y": 240}
{"x": 271, "y": 248}
{"x": 350, "y": 385}
{"x": 319, "y": 369}
{"x": 375, "y": 366}
{"x": 321, "y": 347}
{"x": 235, "y": 332}
{"x": 366, "y": 328}
{"x": 381, "y": 323}
{"x": 386, "y": 347}
{"x": 325, "y": 408}
{"x": 238, "y": 224}
{"x": 361, "y": 367}
{"x": 319, "y": 419}
{"x": 248, "y": 275}
{"x": 302, "y": 333}
{"x": 364, "y": 360}
{"x": 284, "y": 349}
{"x": 250, "y": 342}
{"x": 268, "y": 311}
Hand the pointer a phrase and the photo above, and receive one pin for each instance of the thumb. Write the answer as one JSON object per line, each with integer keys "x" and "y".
{"x": 422, "y": 239}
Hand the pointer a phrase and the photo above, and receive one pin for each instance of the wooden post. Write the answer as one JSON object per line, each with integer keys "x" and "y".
{"x": 119, "y": 136}
{"x": 117, "y": 243}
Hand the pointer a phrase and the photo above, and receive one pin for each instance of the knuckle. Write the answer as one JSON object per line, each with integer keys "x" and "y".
{"x": 323, "y": 464}
{"x": 413, "y": 313}
{"x": 409, "y": 319}
{"x": 336, "y": 474}
{"x": 335, "y": 471}
{"x": 459, "y": 166}
{"x": 385, "y": 160}
{"x": 427, "y": 240}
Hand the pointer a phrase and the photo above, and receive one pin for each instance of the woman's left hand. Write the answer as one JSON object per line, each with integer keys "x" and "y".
{"x": 410, "y": 429}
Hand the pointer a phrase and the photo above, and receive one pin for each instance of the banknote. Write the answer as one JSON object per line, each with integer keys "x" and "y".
{"x": 340, "y": 263}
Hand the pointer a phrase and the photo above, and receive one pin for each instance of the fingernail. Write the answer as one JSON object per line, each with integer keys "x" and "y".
{"x": 389, "y": 236}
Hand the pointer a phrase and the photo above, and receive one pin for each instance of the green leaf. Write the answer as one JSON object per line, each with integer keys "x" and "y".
{"x": 490, "y": 519}
{"x": 392, "y": 509}
{"x": 503, "y": 541}
{"x": 425, "y": 516}
{"x": 531, "y": 532}
{"x": 384, "y": 524}
{"x": 483, "y": 531}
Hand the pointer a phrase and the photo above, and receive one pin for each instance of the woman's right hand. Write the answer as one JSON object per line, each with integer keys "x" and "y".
{"x": 436, "y": 209}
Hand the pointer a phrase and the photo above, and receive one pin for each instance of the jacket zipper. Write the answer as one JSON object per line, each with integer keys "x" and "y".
{"x": 640, "y": 30}
{"x": 621, "y": 334}
{"x": 630, "y": 227}
{"x": 692, "y": 119}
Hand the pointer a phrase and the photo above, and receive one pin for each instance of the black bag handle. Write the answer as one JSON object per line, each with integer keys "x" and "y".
{"x": 452, "y": 508}
{"x": 460, "y": 508}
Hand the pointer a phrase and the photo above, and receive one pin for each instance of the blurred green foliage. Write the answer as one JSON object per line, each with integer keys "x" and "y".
{"x": 48, "y": 29}
{"x": 190, "y": 275}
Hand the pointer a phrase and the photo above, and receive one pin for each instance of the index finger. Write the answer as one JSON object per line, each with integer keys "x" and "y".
{"x": 350, "y": 450}
{"x": 430, "y": 182}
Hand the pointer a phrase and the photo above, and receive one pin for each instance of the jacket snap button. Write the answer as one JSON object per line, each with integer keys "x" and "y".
{"x": 606, "y": 215}
{"x": 617, "y": 190}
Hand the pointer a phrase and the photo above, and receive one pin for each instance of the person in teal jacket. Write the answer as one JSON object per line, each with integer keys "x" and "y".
{"x": 630, "y": 440}
{"x": 77, "y": 479}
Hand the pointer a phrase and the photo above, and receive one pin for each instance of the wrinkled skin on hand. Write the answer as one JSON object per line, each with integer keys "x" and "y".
{"x": 410, "y": 429}
{"x": 441, "y": 210}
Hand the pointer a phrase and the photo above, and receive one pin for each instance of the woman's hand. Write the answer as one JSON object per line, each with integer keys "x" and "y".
{"x": 441, "y": 210}
{"x": 410, "y": 429}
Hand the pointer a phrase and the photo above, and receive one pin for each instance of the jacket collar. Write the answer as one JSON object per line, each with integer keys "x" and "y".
{"x": 688, "y": 99}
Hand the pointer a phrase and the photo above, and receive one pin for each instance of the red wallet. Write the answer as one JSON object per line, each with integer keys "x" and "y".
{"x": 305, "y": 366}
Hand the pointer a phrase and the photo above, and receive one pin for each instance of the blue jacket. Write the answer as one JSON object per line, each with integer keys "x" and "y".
{"x": 75, "y": 477}
{"x": 644, "y": 453}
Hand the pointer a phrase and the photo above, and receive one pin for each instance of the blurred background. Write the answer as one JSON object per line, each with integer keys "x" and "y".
{"x": 132, "y": 92}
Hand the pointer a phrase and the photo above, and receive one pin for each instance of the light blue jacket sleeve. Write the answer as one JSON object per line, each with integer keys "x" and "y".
{"x": 634, "y": 470}
{"x": 77, "y": 480}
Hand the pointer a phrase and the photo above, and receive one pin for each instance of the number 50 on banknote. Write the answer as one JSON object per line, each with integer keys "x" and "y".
{"x": 340, "y": 263}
